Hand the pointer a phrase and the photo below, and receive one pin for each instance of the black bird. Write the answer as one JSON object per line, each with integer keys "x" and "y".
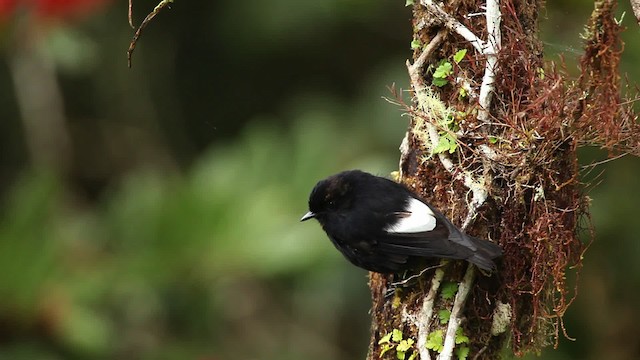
{"x": 381, "y": 226}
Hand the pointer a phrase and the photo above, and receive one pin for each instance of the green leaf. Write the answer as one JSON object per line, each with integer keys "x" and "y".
{"x": 447, "y": 142}
{"x": 443, "y": 145}
{"x": 416, "y": 44}
{"x": 443, "y": 70}
{"x": 400, "y": 355}
{"x": 463, "y": 93}
{"x": 408, "y": 3}
{"x": 385, "y": 339}
{"x": 462, "y": 352}
{"x": 444, "y": 316}
{"x": 385, "y": 348}
{"x": 435, "y": 341}
{"x": 413, "y": 356}
{"x": 459, "y": 55}
{"x": 440, "y": 74}
{"x": 449, "y": 290}
{"x": 461, "y": 338}
{"x": 405, "y": 345}
{"x": 397, "y": 301}
{"x": 396, "y": 335}
{"x": 493, "y": 139}
{"x": 439, "y": 82}
{"x": 453, "y": 144}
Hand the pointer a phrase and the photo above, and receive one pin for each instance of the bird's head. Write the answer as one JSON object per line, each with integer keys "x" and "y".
{"x": 331, "y": 196}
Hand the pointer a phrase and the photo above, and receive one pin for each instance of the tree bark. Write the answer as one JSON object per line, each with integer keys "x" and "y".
{"x": 492, "y": 143}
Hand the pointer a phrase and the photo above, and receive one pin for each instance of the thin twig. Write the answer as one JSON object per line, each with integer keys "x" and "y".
{"x": 424, "y": 317}
{"x": 132, "y": 46}
{"x": 415, "y": 276}
{"x": 453, "y": 24}
{"x": 404, "y": 154}
{"x": 419, "y": 63}
{"x": 477, "y": 356}
{"x": 130, "y": 14}
{"x": 597, "y": 163}
{"x": 494, "y": 43}
{"x": 456, "y": 313}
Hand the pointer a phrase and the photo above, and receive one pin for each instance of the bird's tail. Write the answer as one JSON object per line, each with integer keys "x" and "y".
{"x": 485, "y": 253}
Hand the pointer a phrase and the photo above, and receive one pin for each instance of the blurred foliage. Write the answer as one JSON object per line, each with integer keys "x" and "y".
{"x": 174, "y": 233}
{"x": 181, "y": 260}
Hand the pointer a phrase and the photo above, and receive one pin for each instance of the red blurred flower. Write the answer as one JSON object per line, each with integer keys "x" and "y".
{"x": 51, "y": 9}
{"x": 64, "y": 8}
{"x": 7, "y": 7}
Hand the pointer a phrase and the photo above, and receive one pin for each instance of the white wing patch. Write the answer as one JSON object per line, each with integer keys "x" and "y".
{"x": 420, "y": 219}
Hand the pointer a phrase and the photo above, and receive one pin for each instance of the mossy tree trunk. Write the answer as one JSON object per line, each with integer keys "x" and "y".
{"x": 492, "y": 143}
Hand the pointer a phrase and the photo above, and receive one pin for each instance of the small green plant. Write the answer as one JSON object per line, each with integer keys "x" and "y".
{"x": 462, "y": 352}
{"x": 459, "y": 55}
{"x": 416, "y": 44}
{"x": 445, "y": 117}
{"x": 444, "y": 316}
{"x": 449, "y": 290}
{"x": 461, "y": 338}
{"x": 394, "y": 340}
{"x": 446, "y": 142}
{"x": 435, "y": 341}
{"x": 441, "y": 74}
{"x": 403, "y": 347}
{"x": 445, "y": 69}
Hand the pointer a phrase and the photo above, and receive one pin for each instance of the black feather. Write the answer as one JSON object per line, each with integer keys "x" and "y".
{"x": 356, "y": 209}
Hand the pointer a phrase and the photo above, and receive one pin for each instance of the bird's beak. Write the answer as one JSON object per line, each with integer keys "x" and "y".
{"x": 308, "y": 216}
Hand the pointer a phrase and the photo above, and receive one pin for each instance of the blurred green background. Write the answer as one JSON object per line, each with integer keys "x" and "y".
{"x": 152, "y": 212}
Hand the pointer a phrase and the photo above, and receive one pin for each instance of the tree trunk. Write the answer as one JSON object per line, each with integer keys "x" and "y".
{"x": 492, "y": 143}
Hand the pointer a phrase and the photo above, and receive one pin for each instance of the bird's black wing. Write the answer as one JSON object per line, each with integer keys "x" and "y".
{"x": 435, "y": 235}
{"x": 443, "y": 241}
{"x": 434, "y": 243}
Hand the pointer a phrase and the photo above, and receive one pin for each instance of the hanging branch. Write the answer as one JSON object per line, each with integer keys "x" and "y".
{"x": 132, "y": 46}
